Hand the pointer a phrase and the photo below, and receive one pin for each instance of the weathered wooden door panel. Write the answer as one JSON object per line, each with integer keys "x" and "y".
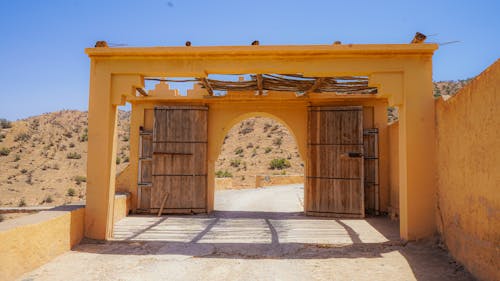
{"x": 335, "y": 153}
{"x": 371, "y": 161}
{"x": 179, "y": 159}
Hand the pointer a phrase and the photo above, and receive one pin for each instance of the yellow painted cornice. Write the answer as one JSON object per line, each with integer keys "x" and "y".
{"x": 266, "y": 51}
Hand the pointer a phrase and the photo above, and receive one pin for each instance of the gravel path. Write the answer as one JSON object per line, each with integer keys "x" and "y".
{"x": 256, "y": 234}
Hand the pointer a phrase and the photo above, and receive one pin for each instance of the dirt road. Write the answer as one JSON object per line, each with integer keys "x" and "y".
{"x": 256, "y": 234}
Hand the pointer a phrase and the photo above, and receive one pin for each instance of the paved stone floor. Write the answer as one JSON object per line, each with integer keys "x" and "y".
{"x": 257, "y": 234}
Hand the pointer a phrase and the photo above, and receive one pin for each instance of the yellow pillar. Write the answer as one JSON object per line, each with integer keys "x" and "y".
{"x": 417, "y": 180}
{"x": 101, "y": 159}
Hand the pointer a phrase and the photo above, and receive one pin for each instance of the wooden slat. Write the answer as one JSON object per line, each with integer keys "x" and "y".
{"x": 146, "y": 170}
{"x": 144, "y": 197}
{"x": 207, "y": 86}
{"x": 260, "y": 84}
{"x": 315, "y": 86}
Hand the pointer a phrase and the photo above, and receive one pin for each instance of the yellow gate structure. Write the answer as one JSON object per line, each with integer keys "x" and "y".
{"x": 291, "y": 84}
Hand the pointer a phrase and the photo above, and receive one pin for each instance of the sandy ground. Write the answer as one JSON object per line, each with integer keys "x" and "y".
{"x": 256, "y": 234}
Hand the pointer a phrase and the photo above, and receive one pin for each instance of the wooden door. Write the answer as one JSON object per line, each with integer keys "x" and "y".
{"x": 179, "y": 159}
{"x": 334, "y": 181}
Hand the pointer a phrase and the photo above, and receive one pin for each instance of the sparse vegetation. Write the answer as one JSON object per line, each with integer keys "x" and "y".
{"x": 84, "y": 137}
{"x": 4, "y": 151}
{"x": 22, "y": 203}
{"x": 5, "y": 124}
{"x": 235, "y": 163}
{"x": 223, "y": 174}
{"x": 278, "y": 141}
{"x": 118, "y": 160}
{"x": 80, "y": 179}
{"x": 239, "y": 151}
{"x": 48, "y": 199}
{"x": 24, "y": 171}
{"x": 279, "y": 164}
{"x": 73, "y": 155}
{"x": 71, "y": 192}
{"x": 22, "y": 137}
{"x": 268, "y": 149}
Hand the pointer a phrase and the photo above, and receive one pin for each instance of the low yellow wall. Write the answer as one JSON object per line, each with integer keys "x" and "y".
{"x": 393, "y": 208}
{"x": 31, "y": 241}
{"x": 264, "y": 180}
{"x": 121, "y": 206}
{"x": 468, "y": 153}
{"x": 223, "y": 183}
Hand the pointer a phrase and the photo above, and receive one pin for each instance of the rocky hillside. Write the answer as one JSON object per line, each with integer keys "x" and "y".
{"x": 258, "y": 146}
{"x": 43, "y": 158}
{"x": 442, "y": 88}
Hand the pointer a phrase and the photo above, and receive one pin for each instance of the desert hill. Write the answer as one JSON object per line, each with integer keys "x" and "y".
{"x": 43, "y": 158}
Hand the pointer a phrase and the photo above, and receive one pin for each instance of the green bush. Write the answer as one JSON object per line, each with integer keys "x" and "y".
{"x": 84, "y": 137}
{"x": 238, "y": 151}
{"x": 22, "y": 203}
{"x": 223, "y": 174}
{"x": 4, "y": 151}
{"x": 73, "y": 155}
{"x": 235, "y": 163}
{"x": 80, "y": 179}
{"x": 71, "y": 192}
{"x": 48, "y": 199}
{"x": 118, "y": 160}
{"x": 279, "y": 164}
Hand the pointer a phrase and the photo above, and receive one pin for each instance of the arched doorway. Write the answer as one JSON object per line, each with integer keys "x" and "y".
{"x": 259, "y": 168}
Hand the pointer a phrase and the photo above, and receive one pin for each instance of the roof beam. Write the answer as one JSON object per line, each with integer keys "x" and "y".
{"x": 207, "y": 86}
{"x": 142, "y": 92}
{"x": 260, "y": 84}
{"x": 317, "y": 83}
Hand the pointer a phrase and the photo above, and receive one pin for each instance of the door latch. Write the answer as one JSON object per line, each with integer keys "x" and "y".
{"x": 355, "y": 154}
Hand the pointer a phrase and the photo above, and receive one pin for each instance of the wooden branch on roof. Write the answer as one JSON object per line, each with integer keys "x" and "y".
{"x": 207, "y": 86}
{"x": 142, "y": 92}
{"x": 419, "y": 38}
{"x": 260, "y": 84}
{"x": 315, "y": 86}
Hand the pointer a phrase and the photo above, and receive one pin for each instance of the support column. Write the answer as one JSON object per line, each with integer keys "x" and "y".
{"x": 101, "y": 165}
{"x": 417, "y": 165}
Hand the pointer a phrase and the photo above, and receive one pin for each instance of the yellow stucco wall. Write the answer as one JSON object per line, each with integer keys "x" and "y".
{"x": 468, "y": 149}
{"x": 223, "y": 183}
{"x": 266, "y": 180}
{"x": 121, "y": 206}
{"x": 31, "y": 241}
{"x": 393, "y": 209}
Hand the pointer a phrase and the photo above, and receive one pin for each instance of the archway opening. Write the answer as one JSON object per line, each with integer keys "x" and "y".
{"x": 259, "y": 168}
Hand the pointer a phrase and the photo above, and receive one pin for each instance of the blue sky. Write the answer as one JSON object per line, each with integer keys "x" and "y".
{"x": 43, "y": 67}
